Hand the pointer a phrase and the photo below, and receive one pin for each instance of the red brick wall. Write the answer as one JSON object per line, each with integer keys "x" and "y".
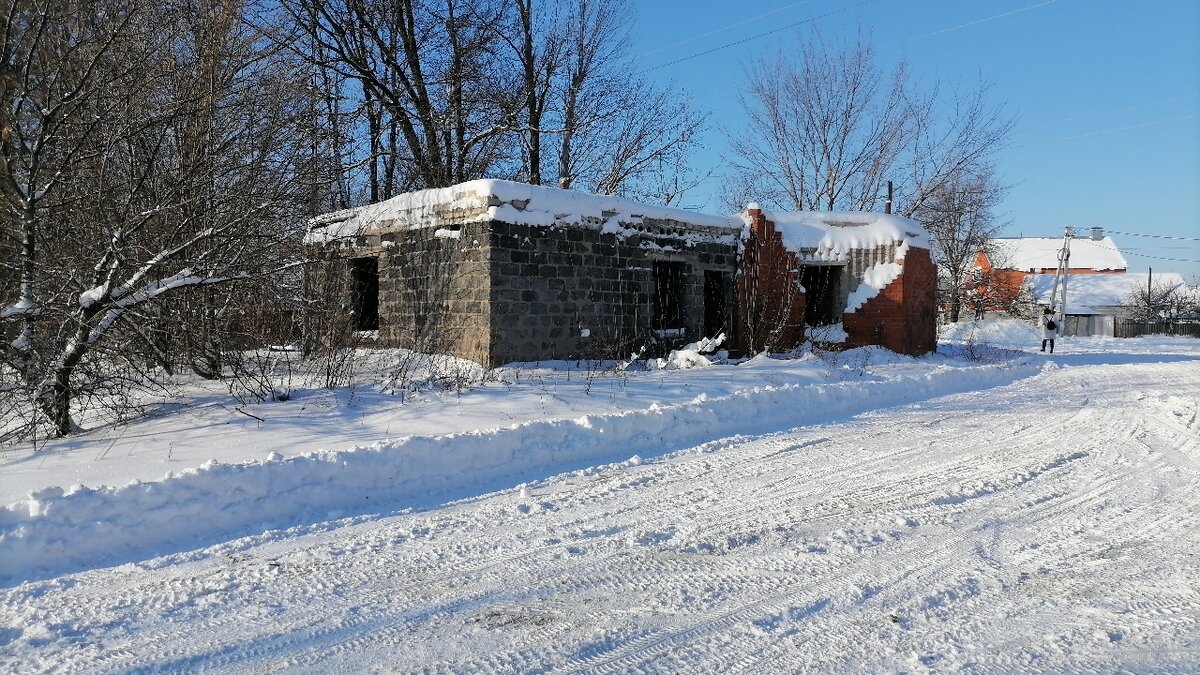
{"x": 903, "y": 317}
{"x": 770, "y": 309}
{"x": 1002, "y": 285}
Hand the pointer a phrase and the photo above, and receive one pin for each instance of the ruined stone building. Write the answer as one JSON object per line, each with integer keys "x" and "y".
{"x": 869, "y": 275}
{"x": 499, "y": 272}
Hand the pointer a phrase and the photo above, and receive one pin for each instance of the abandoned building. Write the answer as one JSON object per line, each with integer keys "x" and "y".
{"x": 870, "y": 272}
{"x": 500, "y": 272}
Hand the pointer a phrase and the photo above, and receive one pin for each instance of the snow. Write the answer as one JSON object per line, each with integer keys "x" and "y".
{"x": 514, "y": 203}
{"x": 828, "y": 236}
{"x": 1038, "y": 253}
{"x": 831, "y": 334}
{"x": 92, "y": 295}
{"x": 55, "y": 530}
{"x": 832, "y": 235}
{"x": 23, "y": 306}
{"x": 983, "y": 508}
{"x": 1086, "y": 292}
{"x": 875, "y": 279}
{"x": 691, "y": 355}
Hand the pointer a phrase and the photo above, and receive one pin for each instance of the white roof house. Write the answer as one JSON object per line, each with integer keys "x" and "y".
{"x": 1099, "y": 293}
{"x": 1034, "y": 254}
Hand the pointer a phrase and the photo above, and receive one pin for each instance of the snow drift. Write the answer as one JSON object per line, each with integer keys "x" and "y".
{"x": 55, "y": 531}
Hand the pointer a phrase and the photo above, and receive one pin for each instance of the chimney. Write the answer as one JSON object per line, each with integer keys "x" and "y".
{"x": 758, "y": 221}
{"x": 887, "y": 206}
{"x": 1097, "y": 233}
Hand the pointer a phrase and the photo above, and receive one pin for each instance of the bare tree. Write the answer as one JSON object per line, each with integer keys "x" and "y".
{"x": 148, "y": 154}
{"x": 958, "y": 216}
{"x": 454, "y": 90}
{"x": 540, "y": 54}
{"x": 1158, "y": 301}
{"x": 431, "y": 68}
{"x": 828, "y": 132}
{"x": 616, "y": 129}
{"x": 595, "y": 35}
{"x": 823, "y": 132}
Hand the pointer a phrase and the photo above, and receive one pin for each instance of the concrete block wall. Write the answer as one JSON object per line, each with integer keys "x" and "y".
{"x": 858, "y": 261}
{"x": 576, "y": 291}
{"x": 434, "y": 290}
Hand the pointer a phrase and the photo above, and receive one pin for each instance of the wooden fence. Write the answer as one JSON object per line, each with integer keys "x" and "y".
{"x": 1125, "y": 328}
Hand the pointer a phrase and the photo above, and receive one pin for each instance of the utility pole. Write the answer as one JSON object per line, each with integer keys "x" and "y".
{"x": 1060, "y": 276}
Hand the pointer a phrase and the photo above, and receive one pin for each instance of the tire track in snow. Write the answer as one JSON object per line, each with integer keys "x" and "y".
{"x": 944, "y": 575}
{"x": 749, "y": 507}
{"x": 364, "y": 626}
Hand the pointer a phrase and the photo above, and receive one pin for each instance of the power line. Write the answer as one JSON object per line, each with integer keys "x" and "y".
{"x": 755, "y": 37}
{"x": 985, "y": 20}
{"x": 1099, "y": 113}
{"x": 1143, "y": 255}
{"x": 726, "y": 27}
{"x": 1154, "y": 257}
{"x": 812, "y": 19}
{"x": 1101, "y": 132}
{"x": 1153, "y": 236}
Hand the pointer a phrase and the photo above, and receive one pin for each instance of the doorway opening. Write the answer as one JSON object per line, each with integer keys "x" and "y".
{"x": 668, "y": 295}
{"x": 364, "y": 293}
{"x": 822, "y": 290}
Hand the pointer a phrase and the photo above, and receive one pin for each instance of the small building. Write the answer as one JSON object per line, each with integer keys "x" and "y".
{"x": 498, "y": 272}
{"x": 1096, "y": 301}
{"x": 1001, "y": 269}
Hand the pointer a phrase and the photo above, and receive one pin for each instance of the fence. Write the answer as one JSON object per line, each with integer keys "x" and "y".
{"x": 1125, "y": 328}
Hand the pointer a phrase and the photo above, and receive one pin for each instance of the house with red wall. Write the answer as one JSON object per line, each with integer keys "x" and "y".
{"x": 1005, "y": 263}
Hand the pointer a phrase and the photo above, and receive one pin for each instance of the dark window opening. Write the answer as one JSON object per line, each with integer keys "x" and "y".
{"x": 714, "y": 303}
{"x": 364, "y": 293}
{"x": 821, "y": 284}
{"x": 668, "y": 295}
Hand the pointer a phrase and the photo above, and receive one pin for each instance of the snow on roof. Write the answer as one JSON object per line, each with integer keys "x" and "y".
{"x": 830, "y": 235}
{"x": 505, "y": 201}
{"x": 1024, "y": 253}
{"x": 1086, "y": 292}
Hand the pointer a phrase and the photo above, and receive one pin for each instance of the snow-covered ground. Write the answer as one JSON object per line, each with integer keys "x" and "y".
{"x": 986, "y": 508}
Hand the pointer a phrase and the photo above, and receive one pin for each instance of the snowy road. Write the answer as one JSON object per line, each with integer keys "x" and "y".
{"x": 1048, "y": 525}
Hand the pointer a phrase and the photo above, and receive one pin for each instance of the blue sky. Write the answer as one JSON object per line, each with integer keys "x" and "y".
{"x": 1105, "y": 93}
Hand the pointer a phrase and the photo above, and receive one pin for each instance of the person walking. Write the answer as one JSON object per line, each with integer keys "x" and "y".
{"x": 1049, "y": 329}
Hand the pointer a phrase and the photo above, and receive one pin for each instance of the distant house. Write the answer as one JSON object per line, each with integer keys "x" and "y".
{"x": 1039, "y": 255}
{"x": 1005, "y": 263}
{"x": 498, "y": 272}
{"x": 1096, "y": 301}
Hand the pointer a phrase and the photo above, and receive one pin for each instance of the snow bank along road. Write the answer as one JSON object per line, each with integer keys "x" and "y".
{"x": 1047, "y": 525}
{"x": 55, "y": 531}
